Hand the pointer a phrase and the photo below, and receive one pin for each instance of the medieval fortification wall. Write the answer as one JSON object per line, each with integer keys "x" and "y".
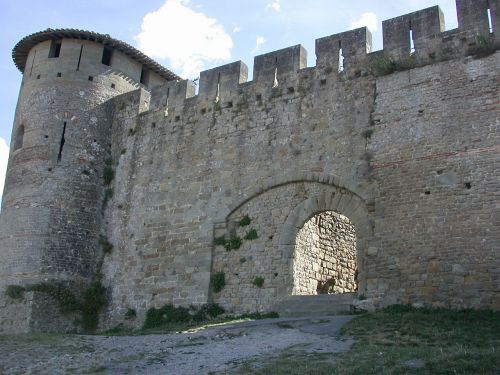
{"x": 402, "y": 142}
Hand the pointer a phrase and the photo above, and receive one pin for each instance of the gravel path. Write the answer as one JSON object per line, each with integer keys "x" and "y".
{"x": 216, "y": 349}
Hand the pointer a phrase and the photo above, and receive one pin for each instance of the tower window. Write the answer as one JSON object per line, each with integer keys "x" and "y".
{"x": 341, "y": 58}
{"x": 490, "y": 21}
{"x": 145, "y": 77}
{"x": 18, "y": 142}
{"x": 55, "y": 49}
{"x": 61, "y": 144}
{"x": 107, "y": 53}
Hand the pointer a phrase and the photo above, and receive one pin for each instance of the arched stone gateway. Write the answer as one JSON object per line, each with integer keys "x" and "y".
{"x": 345, "y": 204}
{"x": 325, "y": 256}
{"x": 261, "y": 238}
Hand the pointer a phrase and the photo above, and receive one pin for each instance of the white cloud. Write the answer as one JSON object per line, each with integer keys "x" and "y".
{"x": 189, "y": 39}
{"x": 259, "y": 41}
{"x": 236, "y": 29}
{"x": 4, "y": 157}
{"x": 367, "y": 19}
{"x": 275, "y": 5}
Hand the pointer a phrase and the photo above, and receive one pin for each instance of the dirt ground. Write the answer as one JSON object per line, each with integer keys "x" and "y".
{"x": 220, "y": 349}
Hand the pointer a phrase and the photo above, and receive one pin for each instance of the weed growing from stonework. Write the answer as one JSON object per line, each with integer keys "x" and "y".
{"x": 108, "y": 174}
{"x": 251, "y": 235}
{"x": 258, "y": 281}
{"x": 244, "y": 221}
{"x": 108, "y": 194}
{"x": 485, "y": 46}
{"x": 234, "y": 243}
{"x": 130, "y": 314}
{"x": 220, "y": 241}
{"x": 386, "y": 65}
{"x": 367, "y": 134}
{"x": 14, "y": 291}
{"x": 106, "y": 246}
{"x": 218, "y": 281}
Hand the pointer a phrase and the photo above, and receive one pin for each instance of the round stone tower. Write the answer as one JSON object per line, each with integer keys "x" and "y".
{"x": 52, "y": 202}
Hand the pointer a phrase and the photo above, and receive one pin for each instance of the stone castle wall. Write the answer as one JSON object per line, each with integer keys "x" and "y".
{"x": 190, "y": 167}
{"x": 408, "y": 155}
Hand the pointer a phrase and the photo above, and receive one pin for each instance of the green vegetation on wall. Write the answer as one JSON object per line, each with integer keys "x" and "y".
{"x": 90, "y": 303}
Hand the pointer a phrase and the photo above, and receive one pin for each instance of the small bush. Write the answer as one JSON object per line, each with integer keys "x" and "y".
{"x": 218, "y": 280}
{"x": 234, "y": 243}
{"x": 244, "y": 221}
{"x": 258, "y": 281}
{"x": 169, "y": 314}
{"x": 93, "y": 300}
{"x": 106, "y": 246}
{"x": 258, "y": 316}
{"x": 15, "y": 291}
{"x": 251, "y": 235}
{"x": 166, "y": 314}
{"x": 86, "y": 172}
{"x": 207, "y": 311}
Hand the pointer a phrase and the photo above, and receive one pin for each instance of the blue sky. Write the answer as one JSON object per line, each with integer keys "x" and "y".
{"x": 191, "y": 35}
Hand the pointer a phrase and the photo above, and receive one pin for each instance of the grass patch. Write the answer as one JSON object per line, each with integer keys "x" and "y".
{"x": 392, "y": 341}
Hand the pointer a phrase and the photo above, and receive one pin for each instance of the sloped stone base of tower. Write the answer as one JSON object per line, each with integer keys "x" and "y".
{"x": 35, "y": 312}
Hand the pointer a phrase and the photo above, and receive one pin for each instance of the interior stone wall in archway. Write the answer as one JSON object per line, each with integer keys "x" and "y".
{"x": 325, "y": 256}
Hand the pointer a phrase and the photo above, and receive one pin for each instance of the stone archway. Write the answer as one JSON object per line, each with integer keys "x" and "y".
{"x": 325, "y": 256}
{"x": 341, "y": 202}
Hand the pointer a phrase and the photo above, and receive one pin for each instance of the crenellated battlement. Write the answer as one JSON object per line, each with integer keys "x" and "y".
{"x": 410, "y": 40}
